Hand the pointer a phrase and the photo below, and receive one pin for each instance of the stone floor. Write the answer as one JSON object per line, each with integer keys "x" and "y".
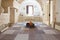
{"x": 41, "y": 32}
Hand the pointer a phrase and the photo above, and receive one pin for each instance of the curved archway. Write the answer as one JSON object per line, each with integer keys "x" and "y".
{"x": 36, "y": 8}
{"x": 22, "y": 9}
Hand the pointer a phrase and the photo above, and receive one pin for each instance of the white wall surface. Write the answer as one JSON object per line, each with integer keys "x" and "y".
{"x": 22, "y": 7}
{"x": 58, "y": 11}
{"x": 0, "y": 2}
{"x": 36, "y": 6}
{"x": 4, "y": 18}
{"x": 16, "y": 4}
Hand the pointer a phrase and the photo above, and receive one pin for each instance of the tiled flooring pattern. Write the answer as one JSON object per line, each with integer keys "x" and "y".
{"x": 20, "y": 32}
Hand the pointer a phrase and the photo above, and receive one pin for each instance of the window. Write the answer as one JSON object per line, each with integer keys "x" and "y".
{"x": 29, "y": 10}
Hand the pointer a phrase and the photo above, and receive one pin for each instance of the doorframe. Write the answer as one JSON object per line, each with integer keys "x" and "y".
{"x": 27, "y": 9}
{"x": 54, "y": 13}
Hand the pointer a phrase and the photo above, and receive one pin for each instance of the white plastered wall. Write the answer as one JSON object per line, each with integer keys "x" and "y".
{"x": 58, "y": 11}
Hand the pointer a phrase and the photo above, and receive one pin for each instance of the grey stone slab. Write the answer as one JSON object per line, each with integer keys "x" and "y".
{"x": 22, "y": 37}
{"x": 35, "y": 37}
{"x": 50, "y": 32}
{"x": 57, "y": 36}
{"x": 8, "y": 37}
{"x": 15, "y": 28}
{"x": 48, "y": 37}
{"x": 9, "y": 32}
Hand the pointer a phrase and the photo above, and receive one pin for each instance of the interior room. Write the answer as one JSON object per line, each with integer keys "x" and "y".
{"x": 29, "y": 19}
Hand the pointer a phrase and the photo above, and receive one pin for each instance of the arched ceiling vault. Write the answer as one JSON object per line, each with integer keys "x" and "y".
{"x": 20, "y": 1}
{"x": 40, "y": 1}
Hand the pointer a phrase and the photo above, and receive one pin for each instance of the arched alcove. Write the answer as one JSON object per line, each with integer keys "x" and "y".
{"x": 37, "y": 10}
{"x": 22, "y": 7}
